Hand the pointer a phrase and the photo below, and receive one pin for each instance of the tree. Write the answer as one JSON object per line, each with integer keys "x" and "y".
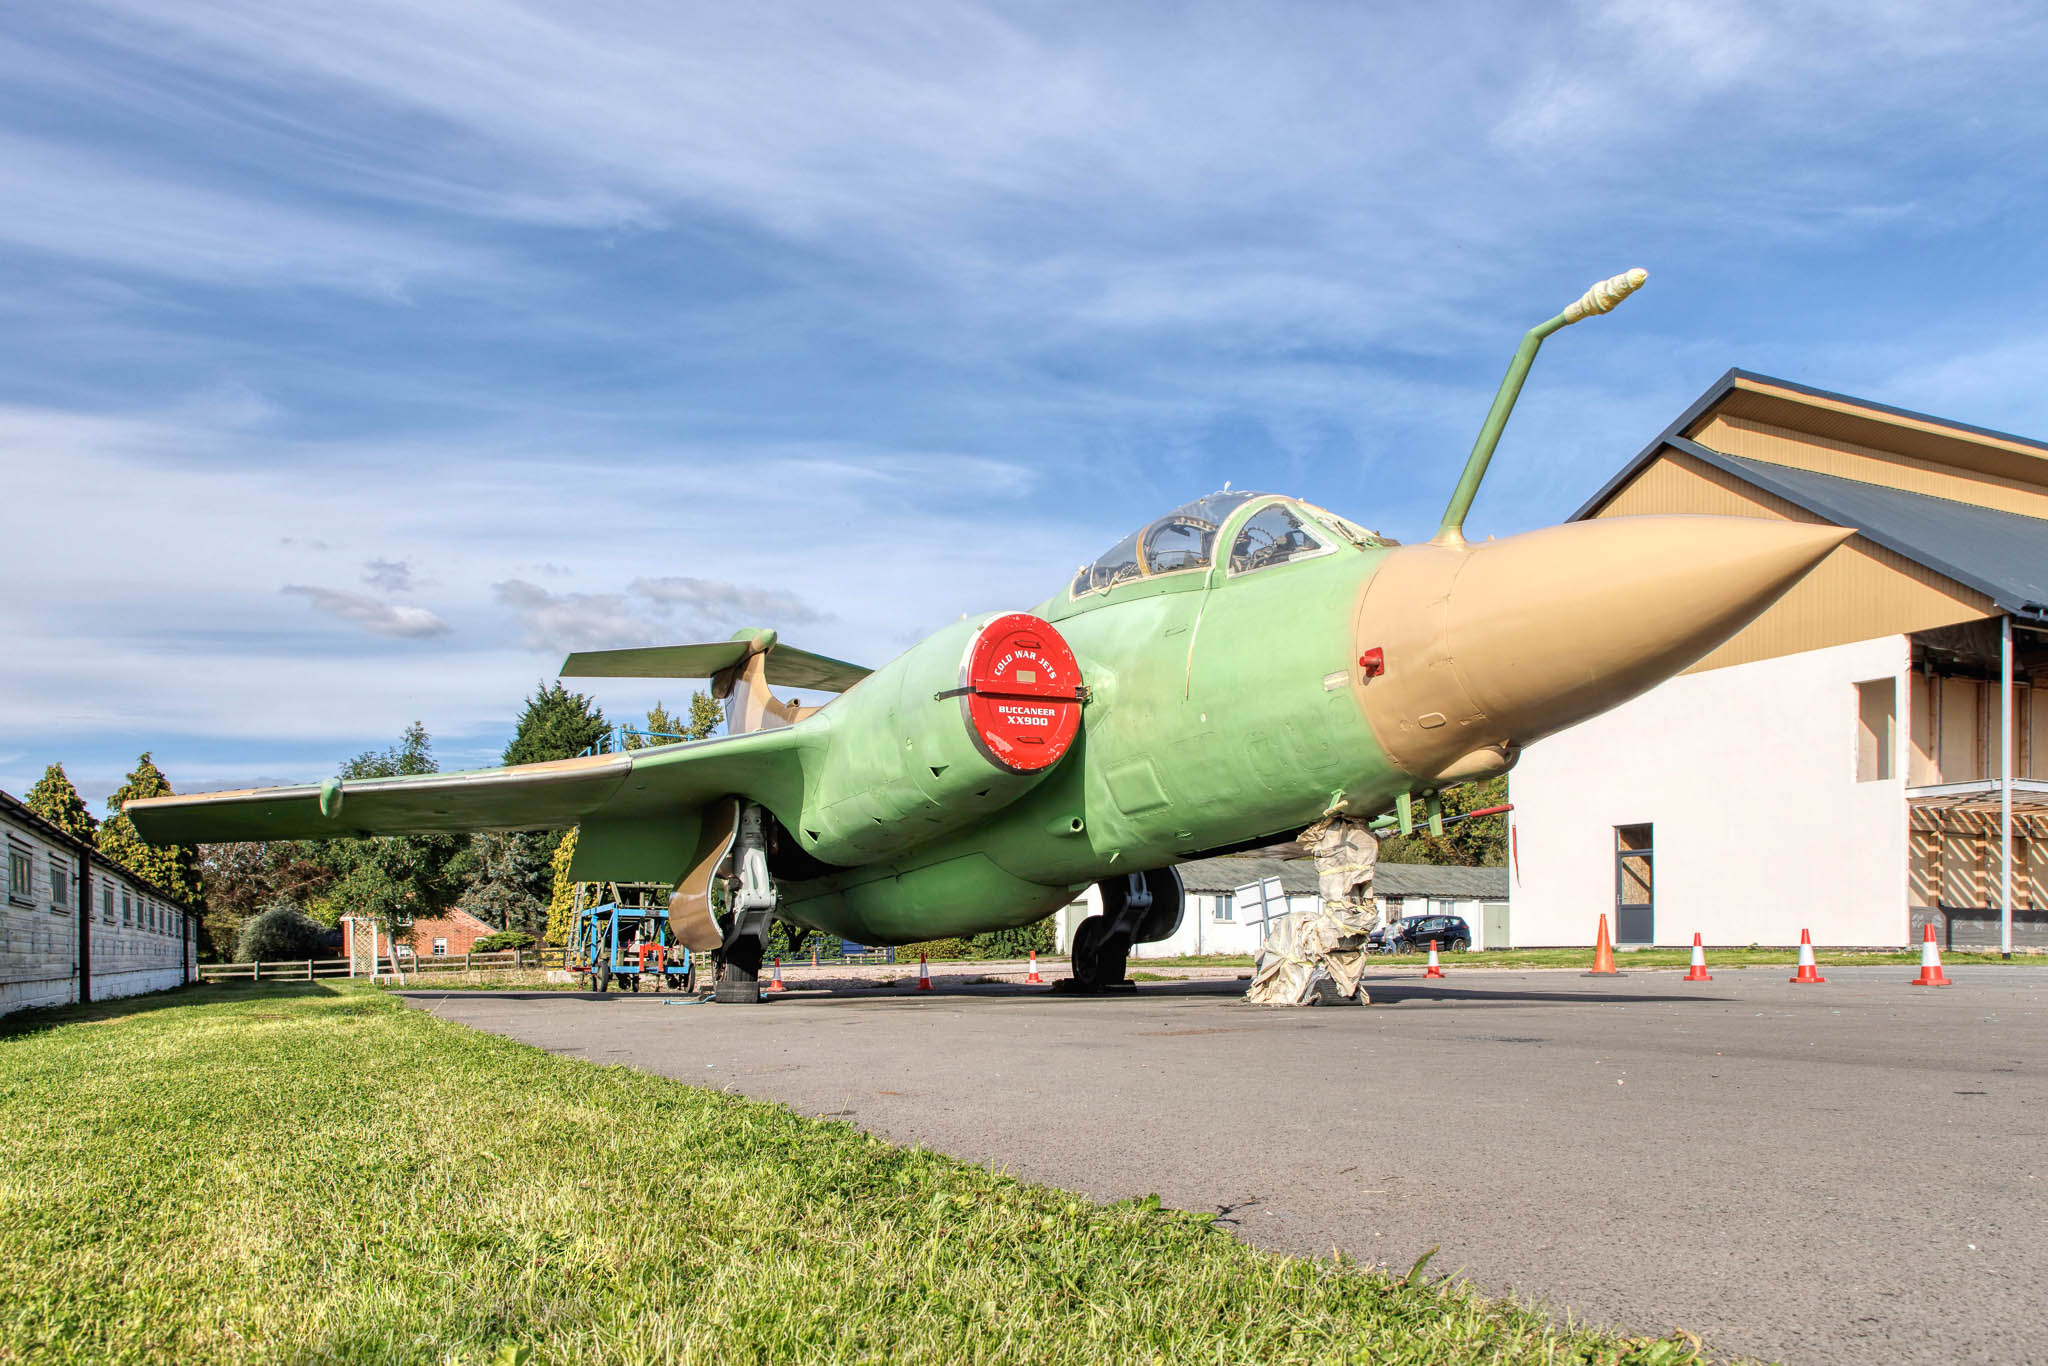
{"x": 240, "y": 881}
{"x": 514, "y": 873}
{"x": 557, "y": 724}
{"x": 505, "y": 870}
{"x": 57, "y": 801}
{"x": 171, "y": 867}
{"x": 1481, "y": 843}
{"x": 561, "y": 893}
{"x": 705, "y": 716}
{"x": 399, "y": 878}
{"x": 283, "y": 932}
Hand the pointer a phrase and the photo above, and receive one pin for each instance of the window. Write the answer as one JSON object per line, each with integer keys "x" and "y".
{"x": 440, "y": 948}
{"x": 1635, "y": 900}
{"x": 1876, "y": 729}
{"x": 127, "y": 907}
{"x": 1226, "y": 908}
{"x": 60, "y": 886}
{"x": 21, "y": 873}
{"x": 1273, "y": 536}
{"x": 106, "y": 903}
{"x": 1183, "y": 539}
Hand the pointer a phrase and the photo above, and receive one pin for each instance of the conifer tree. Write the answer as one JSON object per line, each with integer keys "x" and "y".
{"x": 57, "y": 801}
{"x": 557, "y": 724}
{"x": 706, "y": 716}
{"x": 171, "y": 867}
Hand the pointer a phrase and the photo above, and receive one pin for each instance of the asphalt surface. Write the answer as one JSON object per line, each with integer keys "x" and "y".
{"x": 1843, "y": 1173}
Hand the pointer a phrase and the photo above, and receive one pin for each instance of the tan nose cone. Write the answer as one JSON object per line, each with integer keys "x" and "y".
{"x": 1491, "y": 646}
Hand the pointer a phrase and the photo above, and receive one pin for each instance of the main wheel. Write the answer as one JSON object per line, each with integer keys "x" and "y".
{"x": 1099, "y": 958}
{"x": 604, "y": 979}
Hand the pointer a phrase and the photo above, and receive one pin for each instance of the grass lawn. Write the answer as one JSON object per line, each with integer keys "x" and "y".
{"x": 317, "y": 1173}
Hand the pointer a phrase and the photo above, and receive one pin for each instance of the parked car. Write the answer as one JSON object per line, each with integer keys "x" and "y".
{"x": 1411, "y": 934}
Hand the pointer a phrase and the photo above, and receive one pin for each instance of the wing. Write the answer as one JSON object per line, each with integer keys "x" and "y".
{"x": 635, "y": 808}
{"x": 787, "y": 666}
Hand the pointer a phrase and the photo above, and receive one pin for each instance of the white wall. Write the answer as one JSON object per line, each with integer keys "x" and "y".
{"x": 1749, "y": 776}
{"x": 1199, "y": 933}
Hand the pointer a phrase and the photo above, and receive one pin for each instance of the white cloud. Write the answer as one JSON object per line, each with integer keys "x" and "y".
{"x": 570, "y": 621}
{"x": 715, "y": 602}
{"x": 378, "y": 618}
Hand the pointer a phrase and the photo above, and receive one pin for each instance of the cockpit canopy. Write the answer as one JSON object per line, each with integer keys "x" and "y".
{"x": 1185, "y": 539}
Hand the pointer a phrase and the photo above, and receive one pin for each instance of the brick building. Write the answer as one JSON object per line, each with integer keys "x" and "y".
{"x": 75, "y": 926}
{"x": 438, "y": 937}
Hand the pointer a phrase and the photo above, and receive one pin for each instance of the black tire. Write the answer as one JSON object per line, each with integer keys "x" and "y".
{"x": 690, "y": 979}
{"x": 1459, "y": 945}
{"x": 1098, "y": 960}
{"x": 633, "y": 983}
{"x": 604, "y": 978}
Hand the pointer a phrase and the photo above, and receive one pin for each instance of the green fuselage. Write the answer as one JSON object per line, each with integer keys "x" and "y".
{"x": 1222, "y": 708}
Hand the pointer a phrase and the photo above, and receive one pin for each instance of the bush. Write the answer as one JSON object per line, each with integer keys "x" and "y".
{"x": 282, "y": 933}
{"x": 502, "y": 940}
{"x": 942, "y": 949}
{"x": 1025, "y": 939}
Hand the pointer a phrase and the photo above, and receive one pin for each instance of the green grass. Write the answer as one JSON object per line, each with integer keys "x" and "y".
{"x": 317, "y": 1173}
{"x": 1637, "y": 958}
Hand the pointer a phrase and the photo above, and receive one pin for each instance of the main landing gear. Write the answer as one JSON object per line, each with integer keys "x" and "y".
{"x": 753, "y": 908}
{"x": 1138, "y": 908}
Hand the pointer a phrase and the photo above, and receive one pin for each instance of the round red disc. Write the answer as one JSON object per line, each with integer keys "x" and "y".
{"x": 1024, "y": 706}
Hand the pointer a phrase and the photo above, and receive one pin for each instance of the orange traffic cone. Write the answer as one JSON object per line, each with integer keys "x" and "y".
{"x": 1931, "y": 974}
{"x": 1807, "y": 971}
{"x": 924, "y": 974}
{"x": 1033, "y": 975}
{"x": 776, "y": 983}
{"x": 1435, "y": 969}
{"x": 814, "y": 955}
{"x": 1603, "y": 954}
{"x": 1699, "y": 962}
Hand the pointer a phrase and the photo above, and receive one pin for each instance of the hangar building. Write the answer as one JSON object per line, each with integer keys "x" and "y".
{"x": 1870, "y": 754}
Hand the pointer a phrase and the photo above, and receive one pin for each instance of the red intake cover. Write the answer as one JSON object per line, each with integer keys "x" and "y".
{"x": 1023, "y": 698}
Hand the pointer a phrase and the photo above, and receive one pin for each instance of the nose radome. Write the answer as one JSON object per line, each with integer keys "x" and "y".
{"x": 1495, "y": 645}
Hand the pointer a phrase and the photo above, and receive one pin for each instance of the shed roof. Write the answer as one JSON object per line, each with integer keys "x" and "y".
{"x": 1428, "y": 879}
{"x": 1228, "y": 872}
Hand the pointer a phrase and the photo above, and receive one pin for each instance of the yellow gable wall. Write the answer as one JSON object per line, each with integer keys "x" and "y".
{"x": 1859, "y": 592}
{"x": 1826, "y": 455}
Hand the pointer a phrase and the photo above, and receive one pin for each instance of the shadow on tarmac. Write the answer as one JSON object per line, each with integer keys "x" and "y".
{"x": 1383, "y": 991}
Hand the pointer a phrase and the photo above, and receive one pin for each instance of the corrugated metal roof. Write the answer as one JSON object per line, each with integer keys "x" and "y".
{"x": 1231, "y": 871}
{"x": 1298, "y": 877}
{"x": 2003, "y": 555}
{"x": 1426, "y": 879}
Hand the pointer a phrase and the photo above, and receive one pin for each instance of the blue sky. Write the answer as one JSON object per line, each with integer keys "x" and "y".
{"x": 362, "y": 359}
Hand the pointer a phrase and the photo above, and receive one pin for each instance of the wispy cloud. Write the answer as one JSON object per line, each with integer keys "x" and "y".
{"x": 649, "y": 322}
{"x": 378, "y": 618}
{"x": 388, "y": 576}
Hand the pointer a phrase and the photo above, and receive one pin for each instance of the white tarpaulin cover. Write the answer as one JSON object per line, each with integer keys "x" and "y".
{"x": 1317, "y": 956}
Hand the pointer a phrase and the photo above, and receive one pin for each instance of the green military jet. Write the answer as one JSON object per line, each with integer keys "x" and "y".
{"x": 1227, "y": 674}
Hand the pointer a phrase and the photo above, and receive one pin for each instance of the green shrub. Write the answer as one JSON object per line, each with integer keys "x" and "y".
{"x": 1015, "y": 943}
{"x": 281, "y": 933}
{"x": 502, "y": 940}
{"x": 935, "y": 948}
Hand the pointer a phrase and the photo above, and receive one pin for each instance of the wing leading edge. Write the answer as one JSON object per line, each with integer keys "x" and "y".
{"x": 629, "y": 789}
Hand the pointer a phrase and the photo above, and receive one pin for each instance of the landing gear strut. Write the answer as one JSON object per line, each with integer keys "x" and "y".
{"x": 753, "y": 908}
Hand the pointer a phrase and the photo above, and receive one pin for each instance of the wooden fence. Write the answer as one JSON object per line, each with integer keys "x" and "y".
{"x": 307, "y": 969}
